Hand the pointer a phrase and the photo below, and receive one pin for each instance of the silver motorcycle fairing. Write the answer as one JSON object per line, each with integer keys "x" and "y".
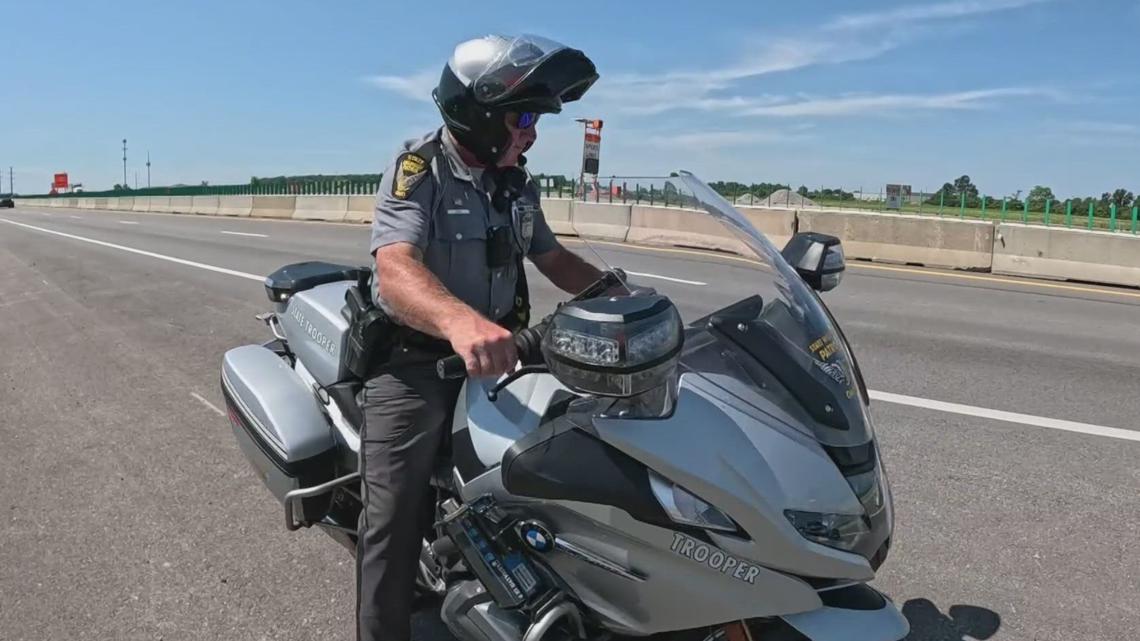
{"x": 634, "y": 575}
{"x": 495, "y": 426}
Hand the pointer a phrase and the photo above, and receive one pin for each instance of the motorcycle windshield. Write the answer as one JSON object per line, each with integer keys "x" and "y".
{"x": 754, "y": 328}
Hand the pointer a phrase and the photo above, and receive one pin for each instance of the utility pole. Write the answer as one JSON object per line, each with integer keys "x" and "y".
{"x": 136, "y": 179}
{"x": 124, "y": 162}
{"x": 148, "y": 169}
{"x": 11, "y": 179}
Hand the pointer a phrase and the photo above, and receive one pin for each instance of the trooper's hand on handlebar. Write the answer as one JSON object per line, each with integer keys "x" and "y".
{"x": 487, "y": 349}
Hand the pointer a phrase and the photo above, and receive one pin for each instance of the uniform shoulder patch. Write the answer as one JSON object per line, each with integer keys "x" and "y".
{"x": 410, "y": 171}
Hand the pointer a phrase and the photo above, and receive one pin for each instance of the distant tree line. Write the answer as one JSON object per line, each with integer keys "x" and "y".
{"x": 1037, "y": 198}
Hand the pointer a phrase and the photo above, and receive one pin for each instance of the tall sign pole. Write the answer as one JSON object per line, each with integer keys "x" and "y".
{"x": 591, "y": 152}
{"x": 148, "y": 169}
{"x": 125, "y": 184}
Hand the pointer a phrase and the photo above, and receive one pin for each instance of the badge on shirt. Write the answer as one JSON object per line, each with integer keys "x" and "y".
{"x": 524, "y": 215}
{"x": 410, "y": 171}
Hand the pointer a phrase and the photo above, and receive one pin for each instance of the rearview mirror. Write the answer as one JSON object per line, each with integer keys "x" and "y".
{"x": 817, "y": 258}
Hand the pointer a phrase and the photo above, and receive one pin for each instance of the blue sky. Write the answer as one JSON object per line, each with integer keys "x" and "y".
{"x": 853, "y": 94}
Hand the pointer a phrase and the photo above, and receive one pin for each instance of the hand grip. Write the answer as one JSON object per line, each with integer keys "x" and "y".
{"x": 451, "y": 368}
{"x": 528, "y": 342}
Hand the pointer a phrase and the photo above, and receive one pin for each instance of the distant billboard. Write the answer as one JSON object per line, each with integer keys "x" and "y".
{"x": 60, "y": 181}
{"x": 897, "y": 195}
{"x": 591, "y": 150}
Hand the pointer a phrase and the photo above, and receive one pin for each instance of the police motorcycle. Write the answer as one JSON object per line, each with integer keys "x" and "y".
{"x": 697, "y": 463}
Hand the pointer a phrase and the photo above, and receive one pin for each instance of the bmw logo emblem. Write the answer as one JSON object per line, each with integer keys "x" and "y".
{"x": 536, "y": 536}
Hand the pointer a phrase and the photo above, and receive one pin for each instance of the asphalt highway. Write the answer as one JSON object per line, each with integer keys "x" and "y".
{"x": 1006, "y": 408}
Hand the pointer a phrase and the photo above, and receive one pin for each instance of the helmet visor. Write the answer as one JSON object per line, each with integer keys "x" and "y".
{"x": 509, "y": 66}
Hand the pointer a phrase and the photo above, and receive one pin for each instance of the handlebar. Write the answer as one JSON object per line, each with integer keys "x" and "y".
{"x": 528, "y": 342}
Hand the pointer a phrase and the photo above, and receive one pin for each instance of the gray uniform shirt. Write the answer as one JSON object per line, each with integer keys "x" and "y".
{"x": 446, "y": 212}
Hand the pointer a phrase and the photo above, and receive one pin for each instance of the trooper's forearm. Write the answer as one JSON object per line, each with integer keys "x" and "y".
{"x": 567, "y": 270}
{"x": 415, "y": 296}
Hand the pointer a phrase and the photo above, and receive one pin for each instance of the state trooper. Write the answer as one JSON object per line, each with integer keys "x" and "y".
{"x": 456, "y": 213}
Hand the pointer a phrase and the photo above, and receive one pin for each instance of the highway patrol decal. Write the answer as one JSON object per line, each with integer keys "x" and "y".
{"x": 410, "y": 170}
{"x": 715, "y": 559}
{"x": 825, "y": 350}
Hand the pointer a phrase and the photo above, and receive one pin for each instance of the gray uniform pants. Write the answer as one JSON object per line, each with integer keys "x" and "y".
{"x": 407, "y": 411}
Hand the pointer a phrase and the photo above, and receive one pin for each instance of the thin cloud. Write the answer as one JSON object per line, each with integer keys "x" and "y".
{"x": 723, "y": 139}
{"x": 846, "y": 39}
{"x": 1103, "y": 128}
{"x": 928, "y": 12}
{"x": 417, "y": 86}
{"x": 889, "y": 103}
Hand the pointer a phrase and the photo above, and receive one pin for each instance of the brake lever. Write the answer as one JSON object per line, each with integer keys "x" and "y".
{"x": 493, "y": 393}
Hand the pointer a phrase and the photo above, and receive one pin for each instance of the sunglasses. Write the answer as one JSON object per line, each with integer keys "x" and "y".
{"x": 526, "y": 120}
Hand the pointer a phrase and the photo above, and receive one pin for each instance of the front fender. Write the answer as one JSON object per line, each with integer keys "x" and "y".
{"x": 854, "y": 613}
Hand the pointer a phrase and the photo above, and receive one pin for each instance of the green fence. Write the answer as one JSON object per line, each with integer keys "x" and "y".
{"x": 324, "y": 188}
{"x": 1074, "y": 214}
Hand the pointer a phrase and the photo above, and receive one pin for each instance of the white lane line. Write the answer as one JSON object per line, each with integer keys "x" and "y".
{"x": 180, "y": 261}
{"x": 208, "y": 404}
{"x": 127, "y": 222}
{"x": 657, "y": 276}
{"x": 76, "y": 217}
{"x": 886, "y": 397}
{"x": 243, "y": 233}
{"x": 668, "y": 278}
{"x": 1008, "y": 417}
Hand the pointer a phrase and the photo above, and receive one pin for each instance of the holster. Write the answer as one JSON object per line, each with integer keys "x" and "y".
{"x": 371, "y": 333}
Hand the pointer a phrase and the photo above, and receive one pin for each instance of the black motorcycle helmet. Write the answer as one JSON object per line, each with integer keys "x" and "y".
{"x": 490, "y": 76}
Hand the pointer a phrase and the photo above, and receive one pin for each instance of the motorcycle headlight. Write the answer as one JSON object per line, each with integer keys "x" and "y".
{"x": 845, "y": 531}
{"x": 617, "y": 347}
{"x": 685, "y": 508}
{"x": 840, "y": 531}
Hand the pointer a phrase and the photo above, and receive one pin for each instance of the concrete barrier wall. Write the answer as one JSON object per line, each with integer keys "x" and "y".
{"x": 1071, "y": 254}
{"x": 1015, "y": 249}
{"x": 557, "y": 214}
{"x": 235, "y": 205}
{"x": 895, "y": 238}
{"x": 160, "y": 204}
{"x": 329, "y": 208}
{"x": 273, "y": 206}
{"x": 361, "y": 209}
{"x": 181, "y": 204}
{"x": 204, "y": 205}
{"x": 601, "y": 221}
{"x": 673, "y": 227}
{"x": 779, "y": 225}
